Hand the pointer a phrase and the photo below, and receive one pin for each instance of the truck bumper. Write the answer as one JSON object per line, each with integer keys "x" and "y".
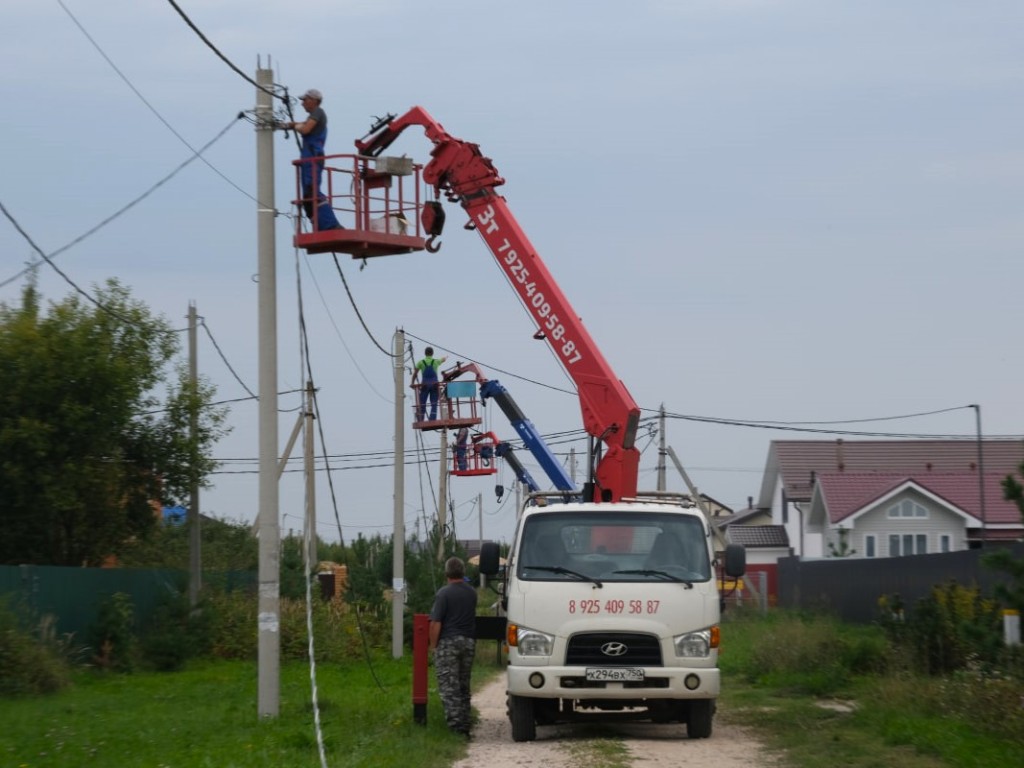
{"x": 571, "y": 683}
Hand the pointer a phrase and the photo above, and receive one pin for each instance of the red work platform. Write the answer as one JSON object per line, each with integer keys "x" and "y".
{"x": 456, "y": 407}
{"x": 376, "y": 200}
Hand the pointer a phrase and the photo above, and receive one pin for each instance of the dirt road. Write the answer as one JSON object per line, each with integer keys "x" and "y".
{"x": 642, "y": 745}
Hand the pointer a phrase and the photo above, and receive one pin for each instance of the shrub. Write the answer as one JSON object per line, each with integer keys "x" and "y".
{"x": 112, "y": 635}
{"x": 177, "y": 633}
{"x": 949, "y": 629}
{"x": 30, "y": 665}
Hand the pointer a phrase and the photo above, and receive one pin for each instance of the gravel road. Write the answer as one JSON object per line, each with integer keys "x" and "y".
{"x": 563, "y": 746}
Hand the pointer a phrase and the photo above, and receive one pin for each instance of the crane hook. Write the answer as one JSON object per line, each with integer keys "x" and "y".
{"x": 431, "y": 248}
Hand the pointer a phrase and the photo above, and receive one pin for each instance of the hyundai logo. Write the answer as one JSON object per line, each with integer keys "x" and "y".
{"x": 614, "y": 649}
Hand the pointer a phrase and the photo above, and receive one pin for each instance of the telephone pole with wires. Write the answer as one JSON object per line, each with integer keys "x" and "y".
{"x": 268, "y": 616}
{"x": 398, "y": 535}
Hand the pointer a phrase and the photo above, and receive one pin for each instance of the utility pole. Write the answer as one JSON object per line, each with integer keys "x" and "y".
{"x": 981, "y": 472}
{"x": 398, "y": 534}
{"x": 269, "y": 615}
{"x": 442, "y": 497}
{"x": 572, "y": 464}
{"x": 310, "y": 553}
{"x": 661, "y": 450}
{"x": 194, "y": 539}
{"x": 480, "y": 521}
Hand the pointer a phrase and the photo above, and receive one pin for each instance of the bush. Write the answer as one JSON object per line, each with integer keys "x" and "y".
{"x": 177, "y": 633}
{"x": 30, "y": 665}
{"x": 948, "y": 630}
{"x": 338, "y": 632}
{"x": 112, "y": 635}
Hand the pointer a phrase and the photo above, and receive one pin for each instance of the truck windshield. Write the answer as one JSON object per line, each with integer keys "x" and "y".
{"x": 614, "y": 546}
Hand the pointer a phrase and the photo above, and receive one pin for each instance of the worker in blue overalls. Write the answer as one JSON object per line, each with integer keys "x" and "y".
{"x": 430, "y": 366}
{"x": 313, "y": 131}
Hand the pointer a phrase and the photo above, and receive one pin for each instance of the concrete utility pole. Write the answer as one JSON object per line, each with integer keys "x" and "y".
{"x": 442, "y": 497}
{"x": 398, "y": 535}
{"x": 310, "y": 553}
{"x": 194, "y": 539}
{"x": 661, "y": 450}
{"x": 981, "y": 472}
{"x": 269, "y": 616}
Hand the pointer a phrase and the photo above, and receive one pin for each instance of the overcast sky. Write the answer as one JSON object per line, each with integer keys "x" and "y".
{"x": 782, "y": 210}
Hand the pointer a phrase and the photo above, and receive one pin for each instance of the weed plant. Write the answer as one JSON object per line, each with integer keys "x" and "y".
{"x": 829, "y": 693}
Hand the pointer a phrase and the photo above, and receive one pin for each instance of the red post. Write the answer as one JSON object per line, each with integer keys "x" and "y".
{"x": 420, "y": 663}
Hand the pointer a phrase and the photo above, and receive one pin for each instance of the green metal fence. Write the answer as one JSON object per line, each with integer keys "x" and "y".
{"x": 73, "y": 596}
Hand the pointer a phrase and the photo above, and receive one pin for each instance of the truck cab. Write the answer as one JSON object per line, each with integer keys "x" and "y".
{"x": 613, "y": 612}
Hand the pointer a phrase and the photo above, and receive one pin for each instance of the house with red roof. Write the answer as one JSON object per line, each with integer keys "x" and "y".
{"x": 889, "y": 498}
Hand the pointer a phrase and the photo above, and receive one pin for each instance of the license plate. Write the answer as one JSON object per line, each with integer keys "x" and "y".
{"x": 615, "y": 674}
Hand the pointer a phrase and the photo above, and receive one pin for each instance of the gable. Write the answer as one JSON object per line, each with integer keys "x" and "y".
{"x": 798, "y": 463}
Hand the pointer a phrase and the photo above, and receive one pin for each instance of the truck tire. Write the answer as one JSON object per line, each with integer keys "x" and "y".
{"x": 698, "y": 720}
{"x": 520, "y": 714}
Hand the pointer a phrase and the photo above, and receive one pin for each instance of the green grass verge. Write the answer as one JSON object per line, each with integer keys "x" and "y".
{"x": 823, "y": 695}
{"x": 207, "y": 715}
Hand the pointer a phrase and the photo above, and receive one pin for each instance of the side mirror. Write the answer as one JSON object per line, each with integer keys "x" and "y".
{"x": 490, "y": 558}
{"x": 735, "y": 560}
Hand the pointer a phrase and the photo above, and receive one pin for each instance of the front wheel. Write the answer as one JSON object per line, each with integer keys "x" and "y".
{"x": 698, "y": 719}
{"x": 520, "y": 714}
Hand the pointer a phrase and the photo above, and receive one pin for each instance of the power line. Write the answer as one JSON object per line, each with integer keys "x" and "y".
{"x": 130, "y": 205}
{"x": 356, "y": 308}
{"x": 222, "y": 57}
{"x": 72, "y": 283}
{"x": 146, "y": 102}
{"x": 202, "y": 322}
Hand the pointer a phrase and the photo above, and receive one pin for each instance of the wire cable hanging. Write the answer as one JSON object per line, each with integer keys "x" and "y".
{"x": 197, "y": 154}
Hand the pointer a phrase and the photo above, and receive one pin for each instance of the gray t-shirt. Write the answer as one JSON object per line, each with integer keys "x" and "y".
{"x": 455, "y": 608}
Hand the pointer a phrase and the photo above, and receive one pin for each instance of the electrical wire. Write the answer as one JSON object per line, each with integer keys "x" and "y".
{"x": 220, "y": 55}
{"x": 125, "y": 208}
{"x": 145, "y": 101}
{"x": 82, "y": 292}
{"x": 223, "y": 357}
{"x": 341, "y": 338}
{"x": 356, "y": 307}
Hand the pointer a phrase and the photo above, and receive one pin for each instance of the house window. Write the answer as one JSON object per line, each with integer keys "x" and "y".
{"x": 907, "y": 509}
{"x": 908, "y": 544}
{"x": 945, "y": 543}
{"x": 869, "y": 545}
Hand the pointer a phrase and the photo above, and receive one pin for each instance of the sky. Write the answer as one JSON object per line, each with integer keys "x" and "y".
{"x": 762, "y": 210}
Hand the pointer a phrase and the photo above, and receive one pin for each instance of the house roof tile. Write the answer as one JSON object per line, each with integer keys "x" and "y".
{"x": 800, "y": 461}
{"x": 758, "y": 535}
{"x": 846, "y": 493}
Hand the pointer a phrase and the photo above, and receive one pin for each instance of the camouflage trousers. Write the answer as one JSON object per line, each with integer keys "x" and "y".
{"x": 453, "y": 665}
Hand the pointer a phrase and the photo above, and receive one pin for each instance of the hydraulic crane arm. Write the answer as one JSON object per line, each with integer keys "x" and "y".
{"x": 459, "y": 170}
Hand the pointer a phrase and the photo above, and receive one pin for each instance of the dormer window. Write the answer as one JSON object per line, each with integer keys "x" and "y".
{"x": 907, "y": 509}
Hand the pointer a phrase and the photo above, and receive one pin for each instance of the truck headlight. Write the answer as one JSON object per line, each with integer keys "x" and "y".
{"x": 530, "y": 642}
{"x": 693, "y": 645}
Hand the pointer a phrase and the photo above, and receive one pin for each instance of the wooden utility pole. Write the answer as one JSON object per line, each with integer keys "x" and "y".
{"x": 310, "y": 548}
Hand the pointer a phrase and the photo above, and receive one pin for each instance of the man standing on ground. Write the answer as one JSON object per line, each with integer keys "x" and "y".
{"x": 313, "y": 131}
{"x": 452, "y": 639}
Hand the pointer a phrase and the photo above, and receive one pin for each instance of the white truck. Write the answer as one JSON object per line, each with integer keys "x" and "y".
{"x": 611, "y": 596}
{"x": 612, "y": 612}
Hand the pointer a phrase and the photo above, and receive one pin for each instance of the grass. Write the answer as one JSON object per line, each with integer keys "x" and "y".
{"x": 825, "y": 695}
{"x": 207, "y": 716}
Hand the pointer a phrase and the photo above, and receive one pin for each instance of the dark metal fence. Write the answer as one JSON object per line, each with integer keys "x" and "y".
{"x": 851, "y": 587}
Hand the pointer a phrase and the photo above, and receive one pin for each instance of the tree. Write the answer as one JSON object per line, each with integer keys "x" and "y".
{"x": 89, "y": 450}
{"x": 1012, "y": 593}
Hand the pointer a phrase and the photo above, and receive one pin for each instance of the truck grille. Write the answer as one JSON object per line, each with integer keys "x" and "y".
{"x": 641, "y": 650}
